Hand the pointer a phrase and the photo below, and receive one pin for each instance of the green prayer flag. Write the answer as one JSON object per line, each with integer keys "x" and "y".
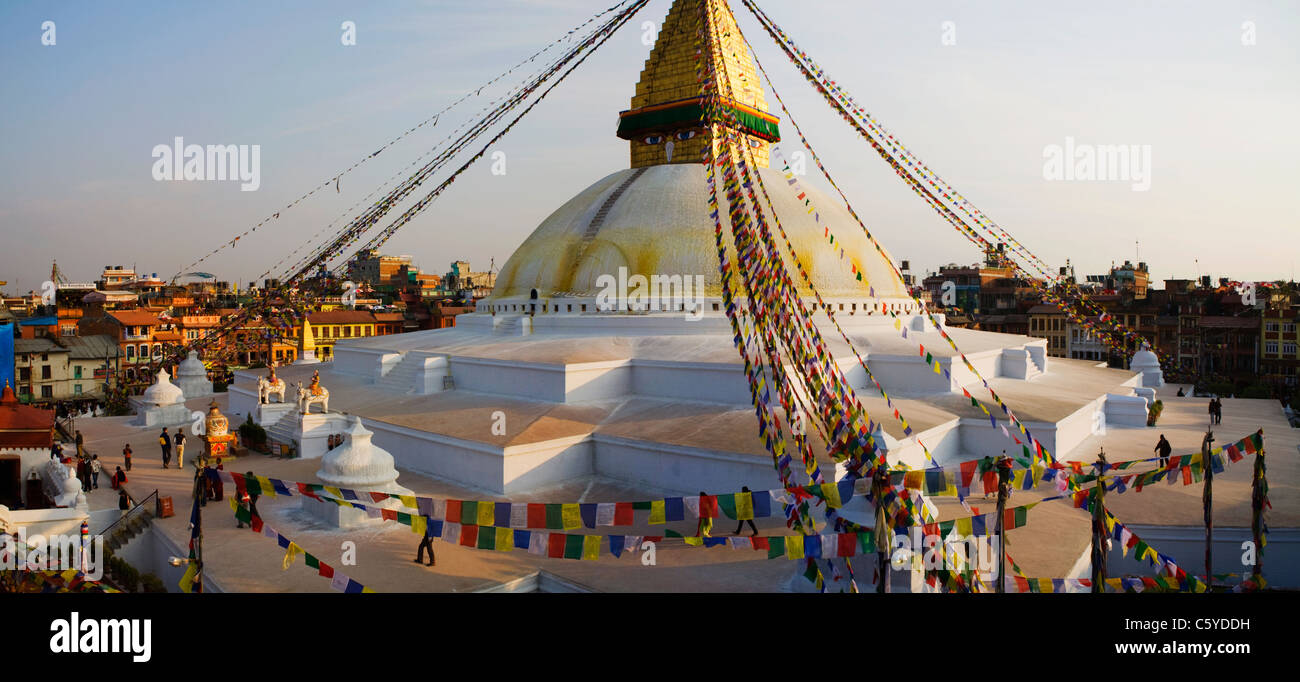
{"x": 573, "y": 547}
{"x": 469, "y": 513}
{"x": 554, "y": 517}
{"x": 775, "y": 547}
{"x": 727, "y": 503}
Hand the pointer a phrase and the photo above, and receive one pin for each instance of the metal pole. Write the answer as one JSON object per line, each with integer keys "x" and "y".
{"x": 883, "y": 538}
{"x": 1207, "y": 500}
{"x": 1099, "y": 527}
{"x": 1257, "y": 512}
{"x": 1004, "y": 482}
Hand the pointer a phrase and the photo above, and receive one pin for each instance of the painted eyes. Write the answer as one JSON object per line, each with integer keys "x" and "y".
{"x": 654, "y": 139}
{"x": 686, "y": 134}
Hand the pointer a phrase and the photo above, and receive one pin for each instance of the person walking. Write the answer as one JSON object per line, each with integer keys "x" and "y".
{"x": 166, "y": 442}
{"x": 80, "y": 445}
{"x": 56, "y": 451}
{"x": 252, "y": 497}
{"x": 243, "y": 504}
{"x": 1218, "y": 410}
{"x": 426, "y": 542}
{"x": 741, "y": 525}
{"x": 123, "y": 501}
{"x": 126, "y": 455}
{"x": 1164, "y": 448}
{"x": 95, "y": 468}
{"x": 83, "y": 473}
{"x": 179, "y": 441}
{"x": 119, "y": 477}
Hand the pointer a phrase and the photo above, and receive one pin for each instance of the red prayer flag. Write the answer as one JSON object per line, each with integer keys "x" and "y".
{"x": 453, "y": 511}
{"x": 469, "y": 536}
{"x": 555, "y": 545}
{"x": 848, "y": 544}
{"x": 536, "y": 515}
{"x": 708, "y": 506}
{"x": 622, "y": 514}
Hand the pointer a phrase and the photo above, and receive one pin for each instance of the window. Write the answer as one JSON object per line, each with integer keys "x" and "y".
{"x": 1270, "y": 326}
{"x": 1289, "y": 327}
{"x": 47, "y": 391}
{"x": 45, "y": 371}
{"x": 24, "y": 374}
{"x": 347, "y": 332}
{"x": 76, "y": 372}
{"x": 1288, "y": 348}
{"x": 76, "y": 389}
{"x": 1270, "y": 347}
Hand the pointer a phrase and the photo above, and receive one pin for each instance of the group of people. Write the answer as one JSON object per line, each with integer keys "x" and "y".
{"x": 166, "y": 442}
{"x": 1216, "y": 410}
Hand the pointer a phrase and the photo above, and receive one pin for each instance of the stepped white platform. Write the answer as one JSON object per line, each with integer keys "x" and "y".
{"x": 662, "y": 400}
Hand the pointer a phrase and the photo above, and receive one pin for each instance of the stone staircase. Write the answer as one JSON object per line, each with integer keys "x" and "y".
{"x": 401, "y": 378}
{"x": 598, "y": 220}
{"x": 513, "y": 325}
{"x": 124, "y": 532}
{"x": 284, "y": 430}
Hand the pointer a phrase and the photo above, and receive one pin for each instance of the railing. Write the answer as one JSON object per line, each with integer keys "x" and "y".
{"x": 131, "y": 513}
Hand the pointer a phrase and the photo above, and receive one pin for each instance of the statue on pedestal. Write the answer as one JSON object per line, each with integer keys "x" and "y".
{"x": 315, "y": 393}
{"x": 268, "y": 386}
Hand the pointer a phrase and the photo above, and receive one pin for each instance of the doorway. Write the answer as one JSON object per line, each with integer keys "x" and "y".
{"x": 11, "y": 481}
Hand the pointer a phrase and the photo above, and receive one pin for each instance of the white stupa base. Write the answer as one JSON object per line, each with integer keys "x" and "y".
{"x": 344, "y": 518}
{"x": 307, "y": 358}
{"x": 153, "y": 415}
{"x": 267, "y": 414}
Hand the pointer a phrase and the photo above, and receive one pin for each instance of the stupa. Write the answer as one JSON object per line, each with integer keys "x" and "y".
{"x": 192, "y": 377}
{"x": 560, "y": 374}
{"x": 357, "y": 465}
{"x": 162, "y": 404}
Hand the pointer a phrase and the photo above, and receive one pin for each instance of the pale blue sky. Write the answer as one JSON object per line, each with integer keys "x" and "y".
{"x": 79, "y": 120}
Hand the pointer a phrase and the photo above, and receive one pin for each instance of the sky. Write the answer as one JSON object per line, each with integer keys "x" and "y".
{"x": 980, "y": 91}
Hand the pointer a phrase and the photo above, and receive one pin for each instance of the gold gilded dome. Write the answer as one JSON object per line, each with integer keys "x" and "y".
{"x": 655, "y": 221}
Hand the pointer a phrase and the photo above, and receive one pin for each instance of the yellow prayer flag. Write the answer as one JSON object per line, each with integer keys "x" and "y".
{"x": 408, "y": 501}
{"x": 898, "y": 324}
{"x": 234, "y": 504}
{"x": 334, "y": 491}
{"x": 657, "y": 515}
{"x": 1045, "y": 585}
{"x": 419, "y": 525}
{"x": 831, "y": 492}
{"x": 505, "y": 539}
{"x": 187, "y": 580}
{"x": 290, "y": 555}
{"x": 590, "y": 547}
{"x": 367, "y": 590}
{"x": 694, "y": 541}
{"x": 964, "y": 526}
{"x": 744, "y": 506}
{"x": 487, "y": 514}
{"x": 69, "y": 575}
{"x": 794, "y": 547}
{"x": 265, "y": 483}
{"x": 914, "y": 479}
{"x": 570, "y": 516}
{"x": 937, "y": 368}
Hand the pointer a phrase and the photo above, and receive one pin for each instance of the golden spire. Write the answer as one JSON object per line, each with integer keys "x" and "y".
{"x": 663, "y": 124}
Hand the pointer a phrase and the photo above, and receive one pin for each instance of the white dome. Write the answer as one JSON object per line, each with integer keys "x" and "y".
{"x": 1144, "y": 359}
{"x": 163, "y": 392}
{"x": 357, "y": 463}
{"x": 660, "y": 225}
{"x": 192, "y": 367}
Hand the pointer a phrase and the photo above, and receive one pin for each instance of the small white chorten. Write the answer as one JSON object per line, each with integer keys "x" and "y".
{"x": 358, "y": 465}
{"x": 1148, "y": 364}
{"x": 162, "y": 404}
{"x": 192, "y": 377}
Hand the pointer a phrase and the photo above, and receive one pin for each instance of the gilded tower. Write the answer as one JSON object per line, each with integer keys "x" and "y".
{"x": 664, "y": 124}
